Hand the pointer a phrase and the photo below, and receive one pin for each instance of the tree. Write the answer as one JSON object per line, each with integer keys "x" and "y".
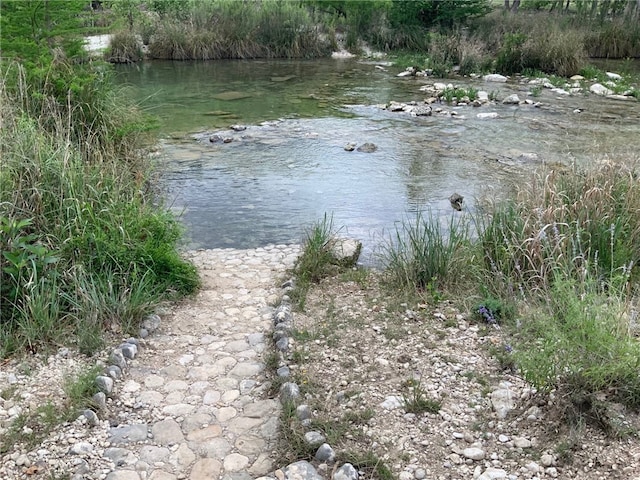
{"x": 31, "y": 29}
{"x": 429, "y": 13}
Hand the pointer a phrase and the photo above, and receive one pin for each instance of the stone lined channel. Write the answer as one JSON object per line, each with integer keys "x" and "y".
{"x": 193, "y": 405}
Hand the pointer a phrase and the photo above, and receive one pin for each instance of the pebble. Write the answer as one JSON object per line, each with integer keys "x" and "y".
{"x": 473, "y": 453}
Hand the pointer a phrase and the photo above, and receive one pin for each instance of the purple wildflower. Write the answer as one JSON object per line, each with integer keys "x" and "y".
{"x": 487, "y": 315}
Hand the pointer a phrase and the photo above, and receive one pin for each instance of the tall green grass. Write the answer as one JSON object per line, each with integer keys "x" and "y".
{"x": 230, "y": 29}
{"x": 83, "y": 240}
{"x": 558, "y": 260}
{"x": 316, "y": 260}
{"x": 423, "y": 253}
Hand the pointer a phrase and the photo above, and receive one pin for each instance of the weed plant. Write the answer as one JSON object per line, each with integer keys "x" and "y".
{"x": 316, "y": 261}
{"x": 83, "y": 243}
{"x": 422, "y": 252}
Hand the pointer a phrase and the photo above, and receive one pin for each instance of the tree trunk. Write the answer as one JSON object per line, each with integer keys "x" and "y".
{"x": 513, "y": 7}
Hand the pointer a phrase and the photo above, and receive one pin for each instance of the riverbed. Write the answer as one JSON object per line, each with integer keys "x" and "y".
{"x": 288, "y": 167}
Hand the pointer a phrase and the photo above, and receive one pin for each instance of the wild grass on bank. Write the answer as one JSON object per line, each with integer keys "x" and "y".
{"x": 423, "y": 253}
{"x": 230, "y": 29}
{"x": 316, "y": 260}
{"x": 83, "y": 242}
{"x": 555, "y": 266}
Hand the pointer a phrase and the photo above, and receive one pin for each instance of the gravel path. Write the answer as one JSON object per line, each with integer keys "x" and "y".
{"x": 191, "y": 405}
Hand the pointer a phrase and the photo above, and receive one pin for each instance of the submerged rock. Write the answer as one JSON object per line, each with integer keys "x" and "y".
{"x": 368, "y": 147}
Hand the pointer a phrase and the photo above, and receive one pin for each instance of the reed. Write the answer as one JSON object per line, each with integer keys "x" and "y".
{"x": 229, "y": 29}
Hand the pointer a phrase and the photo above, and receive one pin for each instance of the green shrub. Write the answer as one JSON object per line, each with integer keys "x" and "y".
{"x": 510, "y": 57}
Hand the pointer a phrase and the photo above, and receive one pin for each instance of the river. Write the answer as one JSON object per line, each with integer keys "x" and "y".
{"x": 289, "y": 167}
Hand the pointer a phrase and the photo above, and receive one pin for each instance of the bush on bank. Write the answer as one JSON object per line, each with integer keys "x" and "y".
{"x": 85, "y": 244}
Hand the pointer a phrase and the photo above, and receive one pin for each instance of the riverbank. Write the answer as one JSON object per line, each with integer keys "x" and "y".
{"x": 397, "y": 389}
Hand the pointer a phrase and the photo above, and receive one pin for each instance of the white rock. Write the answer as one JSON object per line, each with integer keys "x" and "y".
{"x": 512, "y": 99}
{"x": 503, "y": 401}
{"x": 392, "y": 402}
{"x": 487, "y": 115}
{"x": 522, "y": 442}
{"x": 473, "y": 453}
{"x": 560, "y": 91}
{"x": 533, "y": 467}
{"x": 577, "y": 78}
{"x": 552, "y": 472}
{"x": 600, "y": 89}
{"x": 493, "y": 473}
{"x": 613, "y": 76}
{"x": 546, "y": 460}
{"x": 439, "y": 86}
{"x": 494, "y": 77}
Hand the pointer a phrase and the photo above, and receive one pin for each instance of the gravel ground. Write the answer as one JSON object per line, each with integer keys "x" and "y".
{"x": 363, "y": 359}
{"x": 366, "y": 358}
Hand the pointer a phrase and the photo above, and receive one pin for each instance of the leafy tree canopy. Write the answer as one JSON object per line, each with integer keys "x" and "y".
{"x": 429, "y": 13}
{"x": 31, "y": 29}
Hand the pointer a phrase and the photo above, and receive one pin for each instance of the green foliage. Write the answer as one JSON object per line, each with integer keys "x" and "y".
{"x": 32, "y": 28}
{"x": 579, "y": 224}
{"x": 429, "y": 13}
{"x": 316, "y": 261}
{"x": 581, "y": 346}
{"x": 416, "y": 400}
{"x": 84, "y": 244}
{"x": 459, "y": 94}
{"x": 424, "y": 252}
{"x": 369, "y": 463}
{"x": 510, "y": 57}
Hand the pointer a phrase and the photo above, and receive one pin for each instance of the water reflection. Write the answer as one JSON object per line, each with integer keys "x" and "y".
{"x": 273, "y": 180}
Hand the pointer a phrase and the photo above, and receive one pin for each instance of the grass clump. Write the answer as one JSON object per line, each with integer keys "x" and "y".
{"x": 424, "y": 254}
{"x": 416, "y": 400}
{"x": 583, "y": 347}
{"x": 317, "y": 260}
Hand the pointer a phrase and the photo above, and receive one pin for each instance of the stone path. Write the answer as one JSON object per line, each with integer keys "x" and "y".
{"x": 192, "y": 404}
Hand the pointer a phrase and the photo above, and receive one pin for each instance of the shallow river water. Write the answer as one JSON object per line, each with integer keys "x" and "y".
{"x": 289, "y": 167}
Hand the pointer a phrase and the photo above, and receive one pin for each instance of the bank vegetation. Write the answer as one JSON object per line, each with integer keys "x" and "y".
{"x": 474, "y": 36}
{"x": 87, "y": 247}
